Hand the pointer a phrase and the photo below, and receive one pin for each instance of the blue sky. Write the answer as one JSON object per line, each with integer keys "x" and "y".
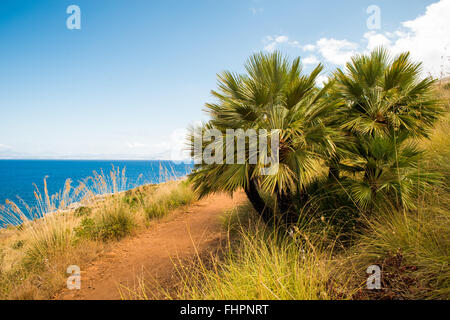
{"x": 137, "y": 73}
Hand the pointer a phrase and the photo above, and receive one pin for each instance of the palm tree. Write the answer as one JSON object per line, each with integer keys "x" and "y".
{"x": 273, "y": 94}
{"x": 383, "y": 95}
{"x": 388, "y": 171}
{"x": 384, "y": 104}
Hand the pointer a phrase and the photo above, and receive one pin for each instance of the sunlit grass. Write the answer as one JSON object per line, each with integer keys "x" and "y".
{"x": 263, "y": 266}
{"x": 72, "y": 227}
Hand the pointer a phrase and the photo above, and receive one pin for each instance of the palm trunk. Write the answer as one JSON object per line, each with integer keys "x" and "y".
{"x": 333, "y": 173}
{"x": 285, "y": 207}
{"x": 258, "y": 203}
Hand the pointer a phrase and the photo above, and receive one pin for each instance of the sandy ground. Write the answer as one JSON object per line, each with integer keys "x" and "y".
{"x": 151, "y": 254}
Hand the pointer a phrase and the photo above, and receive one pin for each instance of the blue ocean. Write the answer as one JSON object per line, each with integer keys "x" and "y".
{"x": 18, "y": 176}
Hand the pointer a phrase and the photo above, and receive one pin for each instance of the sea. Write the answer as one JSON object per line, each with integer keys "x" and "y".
{"x": 19, "y": 178}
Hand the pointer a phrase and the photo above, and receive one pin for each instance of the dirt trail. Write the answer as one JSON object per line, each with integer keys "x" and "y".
{"x": 152, "y": 254}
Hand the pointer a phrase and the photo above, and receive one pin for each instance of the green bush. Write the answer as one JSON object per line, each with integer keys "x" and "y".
{"x": 110, "y": 225}
{"x": 180, "y": 196}
{"x": 160, "y": 206}
{"x": 156, "y": 211}
{"x": 18, "y": 244}
{"x": 133, "y": 198}
{"x": 86, "y": 229}
{"x": 82, "y": 211}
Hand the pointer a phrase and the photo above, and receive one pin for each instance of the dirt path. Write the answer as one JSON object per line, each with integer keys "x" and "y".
{"x": 152, "y": 254}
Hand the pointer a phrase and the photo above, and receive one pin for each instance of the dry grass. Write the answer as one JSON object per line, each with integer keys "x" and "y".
{"x": 412, "y": 248}
{"x": 262, "y": 264}
{"x": 34, "y": 254}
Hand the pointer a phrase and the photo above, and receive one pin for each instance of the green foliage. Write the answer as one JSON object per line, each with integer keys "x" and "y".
{"x": 112, "y": 224}
{"x": 18, "y": 244}
{"x": 87, "y": 228}
{"x": 174, "y": 198}
{"x": 361, "y": 123}
{"x": 383, "y": 95}
{"x": 156, "y": 211}
{"x": 82, "y": 211}
{"x": 180, "y": 196}
{"x": 421, "y": 239}
{"x": 262, "y": 264}
{"x": 384, "y": 201}
{"x": 329, "y": 210}
{"x": 272, "y": 95}
{"x": 133, "y": 198}
{"x": 116, "y": 226}
{"x": 386, "y": 106}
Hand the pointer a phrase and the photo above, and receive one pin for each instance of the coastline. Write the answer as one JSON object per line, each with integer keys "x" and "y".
{"x": 88, "y": 200}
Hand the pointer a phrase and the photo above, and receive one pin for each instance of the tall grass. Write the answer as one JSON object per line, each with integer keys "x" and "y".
{"x": 68, "y": 197}
{"x": 111, "y": 223}
{"x": 413, "y": 251}
{"x": 72, "y": 227}
{"x": 413, "y": 247}
{"x": 168, "y": 198}
{"x": 311, "y": 261}
{"x": 263, "y": 268}
{"x": 259, "y": 263}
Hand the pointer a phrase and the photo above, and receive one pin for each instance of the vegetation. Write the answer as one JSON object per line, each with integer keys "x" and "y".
{"x": 272, "y": 95}
{"x": 362, "y": 123}
{"x": 111, "y": 224}
{"x": 262, "y": 264}
{"x": 34, "y": 255}
{"x": 363, "y": 180}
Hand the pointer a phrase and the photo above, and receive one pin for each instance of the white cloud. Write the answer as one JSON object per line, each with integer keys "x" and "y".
{"x": 169, "y": 147}
{"x": 376, "y": 40}
{"x": 336, "y": 51}
{"x": 309, "y": 47}
{"x": 312, "y": 59}
{"x": 427, "y": 37}
{"x": 178, "y": 147}
{"x": 320, "y": 80}
{"x": 4, "y": 147}
{"x": 281, "y": 39}
{"x": 273, "y": 42}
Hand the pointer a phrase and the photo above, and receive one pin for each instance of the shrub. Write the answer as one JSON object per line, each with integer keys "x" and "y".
{"x": 86, "y": 229}
{"x": 18, "y": 244}
{"x": 170, "y": 196}
{"x": 156, "y": 211}
{"x": 116, "y": 224}
{"x": 133, "y": 198}
{"x": 111, "y": 224}
{"x": 82, "y": 211}
{"x": 181, "y": 195}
